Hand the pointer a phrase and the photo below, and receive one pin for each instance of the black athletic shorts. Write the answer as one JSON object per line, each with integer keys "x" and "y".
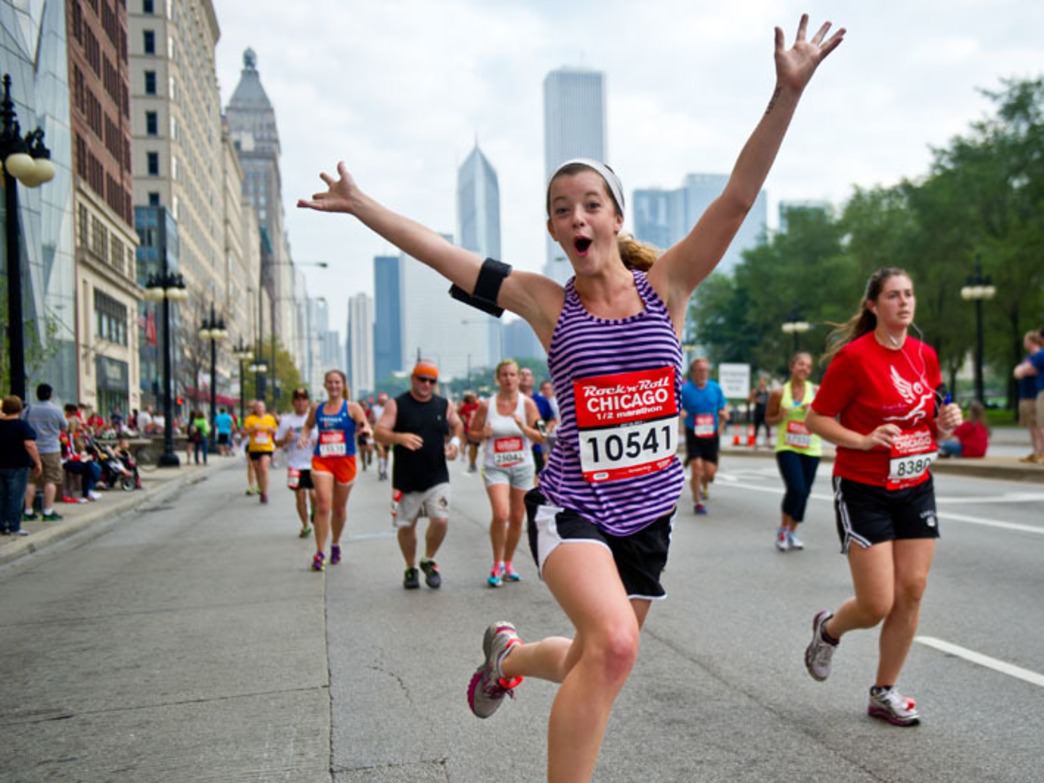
{"x": 640, "y": 557}
{"x": 224, "y": 438}
{"x": 868, "y": 515}
{"x": 256, "y": 455}
{"x": 701, "y": 448}
{"x": 304, "y": 481}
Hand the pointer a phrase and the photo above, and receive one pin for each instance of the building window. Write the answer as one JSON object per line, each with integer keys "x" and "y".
{"x": 99, "y": 238}
{"x": 154, "y": 199}
{"x": 153, "y": 164}
{"x": 149, "y": 41}
{"x": 147, "y": 7}
{"x": 116, "y": 254}
{"x": 150, "y": 82}
{"x": 110, "y": 318}
{"x": 152, "y": 123}
{"x": 84, "y": 225}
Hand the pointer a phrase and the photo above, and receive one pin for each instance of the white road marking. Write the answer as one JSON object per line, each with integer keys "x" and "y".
{"x": 983, "y": 660}
{"x": 947, "y": 515}
{"x": 1007, "y": 497}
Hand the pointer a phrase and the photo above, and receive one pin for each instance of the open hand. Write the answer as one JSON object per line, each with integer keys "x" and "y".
{"x": 795, "y": 66}
{"x": 340, "y": 196}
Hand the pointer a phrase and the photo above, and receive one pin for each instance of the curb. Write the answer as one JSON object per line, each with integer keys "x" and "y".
{"x": 978, "y": 468}
{"x": 100, "y": 518}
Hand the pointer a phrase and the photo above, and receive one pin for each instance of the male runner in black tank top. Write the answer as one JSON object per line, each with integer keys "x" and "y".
{"x": 425, "y": 431}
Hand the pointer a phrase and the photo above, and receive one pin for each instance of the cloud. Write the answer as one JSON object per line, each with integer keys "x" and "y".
{"x": 400, "y": 89}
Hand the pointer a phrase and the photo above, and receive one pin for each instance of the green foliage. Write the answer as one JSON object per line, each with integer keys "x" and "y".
{"x": 287, "y": 376}
{"x": 982, "y": 199}
{"x": 39, "y": 338}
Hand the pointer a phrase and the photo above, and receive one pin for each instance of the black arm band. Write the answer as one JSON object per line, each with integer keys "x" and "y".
{"x": 487, "y": 288}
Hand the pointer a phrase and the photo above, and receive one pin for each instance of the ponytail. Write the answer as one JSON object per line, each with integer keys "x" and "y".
{"x": 635, "y": 254}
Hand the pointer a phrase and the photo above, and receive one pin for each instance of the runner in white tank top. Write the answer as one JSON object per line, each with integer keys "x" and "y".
{"x": 507, "y": 467}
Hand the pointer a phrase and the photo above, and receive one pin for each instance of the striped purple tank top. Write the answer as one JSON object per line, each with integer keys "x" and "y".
{"x": 618, "y": 384}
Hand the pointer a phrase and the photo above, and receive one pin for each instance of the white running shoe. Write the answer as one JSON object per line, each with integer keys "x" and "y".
{"x": 890, "y": 705}
{"x": 794, "y": 541}
{"x": 819, "y": 650}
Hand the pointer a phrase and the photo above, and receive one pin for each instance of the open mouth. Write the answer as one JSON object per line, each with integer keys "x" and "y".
{"x": 581, "y": 244}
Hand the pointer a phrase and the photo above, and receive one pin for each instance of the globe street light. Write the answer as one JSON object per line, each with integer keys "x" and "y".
{"x": 795, "y": 326}
{"x": 243, "y": 353}
{"x": 213, "y": 329}
{"x": 24, "y": 160}
{"x": 979, "y": 288}
{"x": 166, "y": 287}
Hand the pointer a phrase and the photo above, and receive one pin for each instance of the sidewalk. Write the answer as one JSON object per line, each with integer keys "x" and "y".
{"x": 157, "y": 484}
{"x": 1006, "y": 441}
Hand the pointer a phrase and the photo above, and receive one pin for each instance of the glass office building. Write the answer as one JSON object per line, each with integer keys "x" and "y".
{"x": 33, "y": 52}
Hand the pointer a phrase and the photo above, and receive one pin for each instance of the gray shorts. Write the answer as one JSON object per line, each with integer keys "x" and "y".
{"x": 518, "y": 476}
{"x": 433, "y": 503}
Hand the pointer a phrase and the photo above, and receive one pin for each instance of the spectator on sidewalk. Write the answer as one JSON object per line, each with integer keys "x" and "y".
{"x": 79, "y": 460}
{"x": 971, "y": 438}
{"x": 198, "y": 435}
{"x": 17, "y": 455}
{"x": 1028, "y": 376}
{"x": 48, "y": 422}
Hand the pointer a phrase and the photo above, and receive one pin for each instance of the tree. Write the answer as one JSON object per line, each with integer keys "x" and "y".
{"x": 286, "y": 375}
{"x": 40, "y": 338}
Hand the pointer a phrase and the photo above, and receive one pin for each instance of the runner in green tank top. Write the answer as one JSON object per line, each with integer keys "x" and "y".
{"x": 797, "y": 450}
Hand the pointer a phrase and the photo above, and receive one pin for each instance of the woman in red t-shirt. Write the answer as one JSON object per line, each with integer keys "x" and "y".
{"x": 881, "y": 403}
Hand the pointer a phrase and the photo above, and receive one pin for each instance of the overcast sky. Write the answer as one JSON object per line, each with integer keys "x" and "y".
{"x": 400, "y": 90}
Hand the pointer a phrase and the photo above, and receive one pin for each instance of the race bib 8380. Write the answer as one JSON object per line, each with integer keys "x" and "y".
{"x": 627, "y": 424}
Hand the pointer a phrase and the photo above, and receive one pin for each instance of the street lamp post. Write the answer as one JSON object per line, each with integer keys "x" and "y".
{"x": 25, "y": 160}
{"x": 979, "y": 288}
{"x": 213, "y": 329}
{"x": 795, "y": 326}
{"x": 166, "y": 287}
{"x": 243, "y": 353}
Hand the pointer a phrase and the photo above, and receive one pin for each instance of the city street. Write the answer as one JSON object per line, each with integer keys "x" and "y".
{"x": 188, "y": 642}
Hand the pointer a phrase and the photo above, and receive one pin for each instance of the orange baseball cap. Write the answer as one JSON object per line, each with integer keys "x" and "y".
{"x": 426, "y": 368}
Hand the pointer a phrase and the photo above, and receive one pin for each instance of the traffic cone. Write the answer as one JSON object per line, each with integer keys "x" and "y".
{"x": 735, "y": 436}
{"x": 750, "y": 435}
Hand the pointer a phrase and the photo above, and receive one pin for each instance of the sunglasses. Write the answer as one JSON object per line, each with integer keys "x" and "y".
{"x": 425, "y": 379}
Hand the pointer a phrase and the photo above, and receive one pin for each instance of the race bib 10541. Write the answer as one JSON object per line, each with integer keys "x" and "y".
{"x": 627, "y": 424}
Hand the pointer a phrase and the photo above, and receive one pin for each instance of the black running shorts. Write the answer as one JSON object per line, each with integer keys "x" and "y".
{"x": 701, "y": 448}
{"x": 868, "y": 515}
{"x": 640, "y": 558}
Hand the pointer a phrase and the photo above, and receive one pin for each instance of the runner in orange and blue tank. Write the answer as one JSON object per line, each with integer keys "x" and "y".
{"x": 882, "y": 403}
{"x": 333, "y": 463}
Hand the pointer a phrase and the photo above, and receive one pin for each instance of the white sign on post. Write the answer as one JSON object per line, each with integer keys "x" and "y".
{"x": 734, "y": 380}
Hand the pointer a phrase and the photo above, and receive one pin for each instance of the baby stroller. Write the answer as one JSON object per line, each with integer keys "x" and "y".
{"x": 114, "y": 471}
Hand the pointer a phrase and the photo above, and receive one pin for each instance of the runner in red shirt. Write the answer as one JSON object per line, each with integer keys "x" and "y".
{"x": 466, "y": 410}
{"x": 882, "y": 404}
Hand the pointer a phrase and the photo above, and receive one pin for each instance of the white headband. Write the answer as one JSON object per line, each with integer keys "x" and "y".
{"x": 606, "y": 173}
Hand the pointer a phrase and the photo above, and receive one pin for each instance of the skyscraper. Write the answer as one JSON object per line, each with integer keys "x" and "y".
{"x": 435, "y": 325}
{"x": 360, "y": 345}
{"x": 663, "y": 217}
{"x": 106, "y": 273}
{"x": 574, "y": 127}
{"x": 478, "y": 222}
{"x": 252, "y": 127}
{"x": 176, "y": 127}
{"x": 387, "y": 325}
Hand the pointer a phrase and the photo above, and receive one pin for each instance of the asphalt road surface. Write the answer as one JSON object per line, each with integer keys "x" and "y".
{"x": 191, "y": 643}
